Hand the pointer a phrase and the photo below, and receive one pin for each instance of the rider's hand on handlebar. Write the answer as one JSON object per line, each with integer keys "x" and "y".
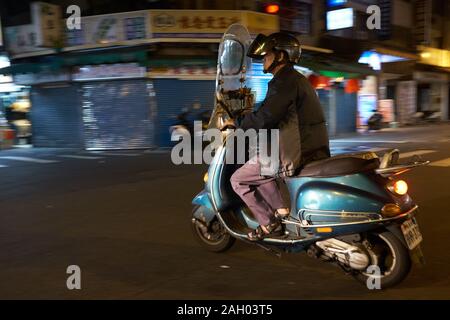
{"x": 228, "y": 124}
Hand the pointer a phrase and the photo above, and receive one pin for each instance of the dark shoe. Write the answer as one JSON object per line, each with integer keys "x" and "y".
{"x": 275, "y": 230}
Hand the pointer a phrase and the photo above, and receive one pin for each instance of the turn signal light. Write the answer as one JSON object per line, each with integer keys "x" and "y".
{"x": 205, "y": 177}
{"x": 391, "y": 210}
{"x": 399, "y": 187}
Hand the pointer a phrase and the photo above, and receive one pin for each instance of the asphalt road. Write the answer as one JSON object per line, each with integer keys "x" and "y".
{"x": 124, "y": 219}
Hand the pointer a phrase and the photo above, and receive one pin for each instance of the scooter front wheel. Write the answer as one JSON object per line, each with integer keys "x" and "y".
{"x": 390, "y": 262}
{"x": 212, "y": 236}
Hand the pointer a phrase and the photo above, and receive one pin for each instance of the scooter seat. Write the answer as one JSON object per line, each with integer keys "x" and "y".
{"x": 341, "y": 165}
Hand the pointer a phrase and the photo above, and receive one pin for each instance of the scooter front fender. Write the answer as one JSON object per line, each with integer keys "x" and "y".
{"x": 207, "y": 212}
{"x": 416, "y": 253}
{"x": 396, "y": 230}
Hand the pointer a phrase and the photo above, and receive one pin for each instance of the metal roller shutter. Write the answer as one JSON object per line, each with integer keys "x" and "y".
{"x": 56, "y": 116}
{"x": 346, "y": 112}
{"x": 173, "y": 95}
{"x": 117, "y": 114}
{"x": 324, "y": 98}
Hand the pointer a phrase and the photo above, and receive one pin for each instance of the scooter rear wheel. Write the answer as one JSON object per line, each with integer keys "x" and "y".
{"x": 391, "y": 257}
{"x": 213, "y": 237}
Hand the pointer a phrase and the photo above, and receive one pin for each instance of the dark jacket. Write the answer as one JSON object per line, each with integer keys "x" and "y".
{"x": 292, "y": 106}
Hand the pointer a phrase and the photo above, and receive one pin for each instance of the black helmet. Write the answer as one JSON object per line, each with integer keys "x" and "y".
{"x": 276, "y": 41}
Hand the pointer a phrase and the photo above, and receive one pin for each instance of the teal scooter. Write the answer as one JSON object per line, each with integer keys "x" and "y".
{"x": 351, "y": 210}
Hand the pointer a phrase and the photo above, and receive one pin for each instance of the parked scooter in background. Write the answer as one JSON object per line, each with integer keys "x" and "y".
{"x": 425, "y": 117}
{"x": 184, "y": 124}
{"x": 375, "y": 121}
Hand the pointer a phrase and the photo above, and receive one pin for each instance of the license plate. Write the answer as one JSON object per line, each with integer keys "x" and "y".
{"x": 411, "y": 232}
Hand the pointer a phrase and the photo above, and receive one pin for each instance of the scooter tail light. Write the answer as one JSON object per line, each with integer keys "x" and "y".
{"x": 391, "y": 210}
{"x": 398, "y": 187}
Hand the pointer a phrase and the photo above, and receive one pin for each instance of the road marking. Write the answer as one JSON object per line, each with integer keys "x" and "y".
{"x": 413, "y": 153}
{"x": 158, "y": 151}
{"x": 441, "y": 163}
{"x": 2, "y": 166}
{"x": 343, "y": 150}
{"x": 377, "y": 149}
{"x": 116, "y": 154}
{"x": 28, "y": 159}
{"x": 80, "y": 157}
{"x": 370, "y": 141}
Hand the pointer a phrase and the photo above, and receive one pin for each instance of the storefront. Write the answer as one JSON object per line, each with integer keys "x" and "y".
{"x": 338, "y": 83}
{"x": 93, "y": 107}
{"x": 117, "y": 107}
{"x": 195, "y": 86}
{"x": 432, "y": 94}
{"x": 419, "y": 93}
{"x": 56, "y": 115}
{"x": 14, "y": 110}
{"x": 54, "y": 108}
{"x": 113, "y": 108}
{"x": 183, "y": 88}
{"x": 410, "y": 87}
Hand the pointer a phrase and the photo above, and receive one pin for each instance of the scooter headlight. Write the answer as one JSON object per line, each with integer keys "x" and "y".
{"x": 398, "y": 187}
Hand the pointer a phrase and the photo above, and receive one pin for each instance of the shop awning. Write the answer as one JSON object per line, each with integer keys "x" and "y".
{"x": 182, "y": 62}
{"x": 396, "y": 53}
{"x": 104, "y": 58}
{"x": 55, "y": 63}
{"x": 20, "y": 68}
{"x": 335, "y": 68}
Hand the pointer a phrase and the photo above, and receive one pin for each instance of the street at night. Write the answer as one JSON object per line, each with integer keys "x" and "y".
{"x": 221, "y": 159}
{"x": 124, "y": 218}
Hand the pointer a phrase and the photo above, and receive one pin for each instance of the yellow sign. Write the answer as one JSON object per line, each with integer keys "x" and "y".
{"x": 47, "y": 20}
{"x": 208, "y": 23}
{"x": 435, "y": 57}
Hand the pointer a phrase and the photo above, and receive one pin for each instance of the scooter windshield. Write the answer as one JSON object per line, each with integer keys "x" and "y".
{"x": 232, "y": 72}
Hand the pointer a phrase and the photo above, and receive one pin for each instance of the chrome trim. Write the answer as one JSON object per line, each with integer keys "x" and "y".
{"x": 273, "y": 240}
{"x": 402, "y": 167}
{"x": 344, "y": 217}
{"x": 402, "y": 215}
{"x": 342, "y": 212}
{"x": 336, "y": 211}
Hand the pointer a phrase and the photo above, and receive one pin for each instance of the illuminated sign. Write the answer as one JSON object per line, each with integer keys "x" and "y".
{"x": 46, "y": 20}
{"x": 435, "y": 57}
{"x": 335, "y": 3}
{"x": 340, "y": 19}
{"x": 375, "y": 59}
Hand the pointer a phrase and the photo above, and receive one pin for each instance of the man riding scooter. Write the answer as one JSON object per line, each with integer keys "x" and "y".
{"x": 291, "y": 106}
{"x": 350, "y": 210}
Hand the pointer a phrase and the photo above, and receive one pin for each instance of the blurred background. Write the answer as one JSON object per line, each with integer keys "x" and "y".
{"x": 131, "y": 69}
{"x": 76, "y": 98}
